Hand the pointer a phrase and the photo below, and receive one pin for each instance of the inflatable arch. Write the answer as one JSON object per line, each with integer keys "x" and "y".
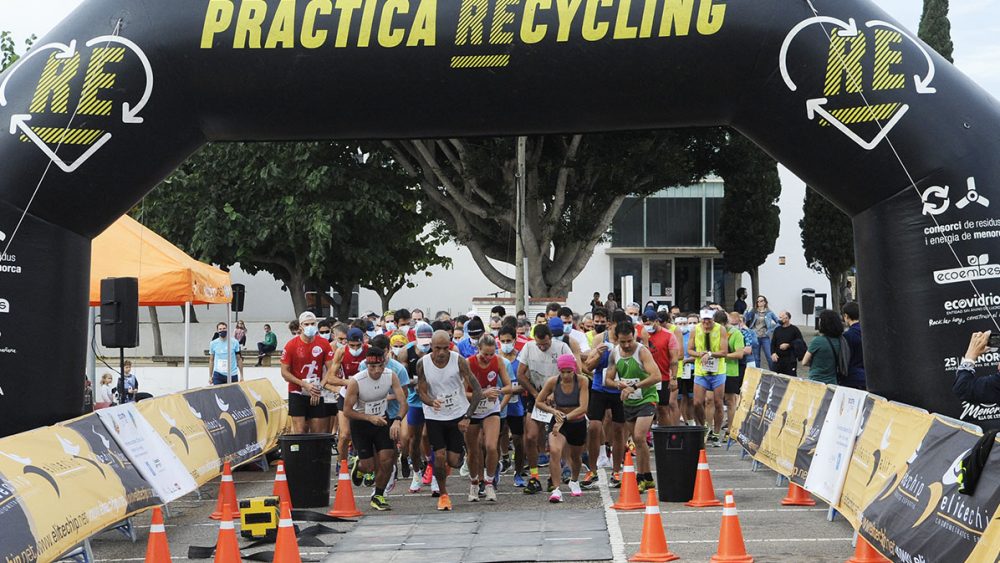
{"x": 116, "y": 96}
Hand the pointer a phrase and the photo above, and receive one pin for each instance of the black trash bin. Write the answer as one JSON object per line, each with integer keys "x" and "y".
{"x": 677, "y": 449}
{"x": 307, "y": 468}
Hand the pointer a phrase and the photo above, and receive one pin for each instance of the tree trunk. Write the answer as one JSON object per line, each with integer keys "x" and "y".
{"x": 385, "y": 300}
{"x": 297, "y": 289}
{"x": 154, "y": 320}
{"x": 754, "y": 286}
{"x": 194, "y": 317}
{"x": 346, "y": 293}
{"x": 837, "y": 281}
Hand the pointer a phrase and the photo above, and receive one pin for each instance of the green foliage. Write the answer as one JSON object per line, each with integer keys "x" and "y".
{"x": 8, "y": 49}
{"x": 935, "y": 29}
{"x": 827, "y": 236}
{"x": 311, "y": 214}
{"x": 748, "y": 221}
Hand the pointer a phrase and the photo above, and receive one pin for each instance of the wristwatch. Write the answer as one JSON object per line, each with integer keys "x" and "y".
{"x": 967, "y": 364}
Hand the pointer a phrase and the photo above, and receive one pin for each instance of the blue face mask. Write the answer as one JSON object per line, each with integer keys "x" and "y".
{"x": 425, "y": 348}
{"x": 567, "y": 327}
{"x": 310, "y": 331}
{"x": 355, "y": 351}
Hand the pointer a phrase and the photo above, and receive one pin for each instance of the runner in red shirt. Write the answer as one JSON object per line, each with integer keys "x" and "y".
{"x": 490, "y": 371}
{"x": 307, "y": 366}
{"x": 346, "y": 361}
{"x": 666, "y": 350}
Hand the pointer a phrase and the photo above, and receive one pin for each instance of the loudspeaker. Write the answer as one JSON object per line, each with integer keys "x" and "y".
{"x": 120, "y": 312}
{"x": 239, "y": 294}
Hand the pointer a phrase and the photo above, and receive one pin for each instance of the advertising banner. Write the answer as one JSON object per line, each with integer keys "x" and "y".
{"x": 751, "y": 380}
{"x": 56, "y": 489}
{"x": 836, "y": 440}
{"x": 814, "y": 426}
{"x": 269, "y": 409}
{"x": 766, "y": 398}
{"x": 181, "y": 428}
{"x": 229, "y": 418}
{"x": 888, "y": 435}
{"x": 919, "y": 515}
{"x": 792, "y": 425}
{"x": 148, "y": 452}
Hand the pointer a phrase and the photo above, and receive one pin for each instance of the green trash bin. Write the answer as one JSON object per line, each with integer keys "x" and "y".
{"x": 677, "y": 449}
{"x": 307, "y": 468}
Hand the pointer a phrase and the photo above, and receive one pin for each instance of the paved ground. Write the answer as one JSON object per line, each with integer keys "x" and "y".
{"x": 772, "y": 532}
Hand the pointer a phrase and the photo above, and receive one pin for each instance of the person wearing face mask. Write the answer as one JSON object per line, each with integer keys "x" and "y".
{"x": 307, "y": 366}
{"x": 515, "y": 407}
{"x": 709, "y": 346}
{"x": 632, "y": 310}
{"x": 225, "y": 363}
{"x": 470, "y": 346}
{"x": 416, "y": 450}
{"x": 458, "y": 334}
{"x": 566, "y": 315}
{"x": 685, "y": 370}
{"x": 325, "y": 330}
{"x": 339, "y": 336}
{"x": 602, "y": 400}
{"x": 666, "y": 350}
{"x": 739, "y": 350}
{"x": 347, "y": 362}
{"x": 483, "y": 432}
{"x": 599, "y": 326}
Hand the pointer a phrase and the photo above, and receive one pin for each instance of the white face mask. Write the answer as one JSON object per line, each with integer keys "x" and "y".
{"x": 685, "y": 329}
{"x": 425, "y": 348}
{"x": 355, "y": 351}
{"x": 390, "y": 327}
{"x": 506, "y": 347}
{"x": 651, "y": 329}
{"x": 310, "y": 331}
{"x": 457, "y": 340}
{"x": 396, "y": 350}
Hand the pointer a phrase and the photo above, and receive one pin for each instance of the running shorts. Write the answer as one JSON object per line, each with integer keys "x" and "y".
{"x": 575, "y": 432}
{"x": 601, "y": 402}
{"x": 445, "y": 435}
{"x": 710, "y": 382}
{"x": 369, "y": 439}
{"x": 298, "y": 406}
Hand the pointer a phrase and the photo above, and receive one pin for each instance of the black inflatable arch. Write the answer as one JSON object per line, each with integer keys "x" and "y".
{"x": 843, "y": 96}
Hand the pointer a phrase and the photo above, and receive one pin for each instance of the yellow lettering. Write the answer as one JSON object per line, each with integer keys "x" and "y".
{"x": 470, "y": 22}
{"x": 844, "y": 63}
{"x": 387, "y": 36}
{"x": 54, "y": 84}
{"x": 622, "y": 29}
{"x": 531, "y": 32}
{"x": 594, "y": 30}
{"x": 502, "y": 17}
{"x": 710, "y": 17}
{"x": 886, "y": 55}
{"x": 676, "y": 16}
{"x": 347, "y": 8}
{"x": 648, "y": 15}
{"x": 567, "y": 10}
{"x": 248, "y": 23}
{"x": 97, "y": 79}
{"x": 217, "y": 19}
{"x": 424, "y": 29}
{"x": 313, "y": 38}
{"x": 282, "y": 27}
{"x": 367, "y": 20}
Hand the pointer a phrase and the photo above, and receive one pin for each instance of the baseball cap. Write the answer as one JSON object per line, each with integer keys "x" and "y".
{"x": 707, "y": 314}
{"x": 556, "y": 326}
{"x": 567, "y": 361}
{"x": 476, "y": 328}
{"x": 371, "y": 314}
{"x": 424, "y": 333}
{"x": 663, "y": 316}
{"x": 307, "y": 316}
{"x": 355, "y": 335}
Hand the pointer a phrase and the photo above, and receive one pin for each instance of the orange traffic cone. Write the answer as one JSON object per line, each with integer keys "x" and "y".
{"x": 343, "y": 500}
{"x": 628, "y": 496}
{"x": 865, "y": 553}
{"x": 797, "y": 496}
{"x": 280, "y": 489}
{"x": 704, "y": 492}
{"x": 157, "y": 550}
{"x": 227, "y": 549}
{"x": 227, "y": 494}
{"x": 731, "y": 546}
{"x": 653, "y": 546}
{"x": 286, "y": 550}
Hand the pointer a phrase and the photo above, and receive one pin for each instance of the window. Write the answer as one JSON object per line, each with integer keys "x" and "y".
{"x": 686, "y": 216}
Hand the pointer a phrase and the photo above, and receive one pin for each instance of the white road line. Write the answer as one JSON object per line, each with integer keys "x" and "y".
{"x": 615, "y": 538}
{"x": 768, "y": 540}
{"x": 742, "y": 510}
{"x": 567, "y": 539}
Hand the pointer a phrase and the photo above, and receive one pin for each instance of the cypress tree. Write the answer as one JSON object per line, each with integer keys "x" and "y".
{"x": 935, "y": 29}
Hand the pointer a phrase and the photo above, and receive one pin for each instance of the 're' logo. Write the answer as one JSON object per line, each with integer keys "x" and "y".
{"x": 80, "y": 84}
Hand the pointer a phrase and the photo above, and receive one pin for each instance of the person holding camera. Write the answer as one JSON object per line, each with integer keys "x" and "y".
{"x": 968, "y": 387}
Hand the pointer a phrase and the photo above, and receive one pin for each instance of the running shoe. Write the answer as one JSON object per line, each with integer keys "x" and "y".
{"x": 379, "y": 503}
{"x": 556, "y": 496}
{"x": 603, "y": 462}
{"x": 369, "y": 479}
{"x": 589, "y": 480}
{"x": 505, "y": 464}
{"x": 435, "y": 489}
{"x": 566, "y": 473}
{"x": 404, "y": 467}
{"x": 357, "y": 477}
{"x": 519, "y": 481}
{"x": 491, "y": 493}
{"x": 415, "y": 483}
{"x": 543, "y": 460}
{"x": 482, "y": 489}
{"x": 496, "y": 476}
{"x": 474, "y": 492}
{"x": 549, "y": 486}
{"x": 532, "y": 487}
{"x": 392, "y": 481}
{"x": 574, "y": 489}
{"x": 428, "y": 474}
{"x": 464, "y": 471}
{"x": 615, "y": 481}
{"x": 444, "y": 503}
{"x": 645, "y": 485}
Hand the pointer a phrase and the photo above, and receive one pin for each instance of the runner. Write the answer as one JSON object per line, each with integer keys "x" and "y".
{"x": 442, "y": 377}
{"x": 636, "y": 373}
{"x": 567, "y": 422}
{"x": 537, "y": 365}
{"x": 604, "y": 400}
{"x": 416, "y": 453}
{"x": 307, "y": 366}
{"x": 393, "y": 408}
{"x": 347, "y": 363}
{"x": 515, "y": 407}
{"x": 484, "y": 427}
{"x": 739, "y": 350}
{"x": 709, "y": 346}
{"x": 373, "y": 428}
{"x": 666, "y": 350}
{"x": 685, "y": 383}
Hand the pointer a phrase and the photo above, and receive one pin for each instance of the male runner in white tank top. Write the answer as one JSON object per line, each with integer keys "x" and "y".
{"x": 442, "y": 377}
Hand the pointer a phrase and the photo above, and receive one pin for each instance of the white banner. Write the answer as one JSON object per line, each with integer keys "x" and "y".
{"x": 836, "y": 442}
{"x": 147, "y": 451}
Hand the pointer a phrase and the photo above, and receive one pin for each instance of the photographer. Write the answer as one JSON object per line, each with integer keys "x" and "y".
{"x": 968, "y": 387}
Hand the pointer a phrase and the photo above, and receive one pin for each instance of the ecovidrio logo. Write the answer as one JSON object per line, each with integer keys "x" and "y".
{"x": 979, "y": 268}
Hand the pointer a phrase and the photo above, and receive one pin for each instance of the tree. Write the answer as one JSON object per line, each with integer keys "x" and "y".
{"x": 314, "y": 215}
{"x": 8, "y": 49}
{"x": 828, "y": 241}
{"x": 935, "y": 29}
{"x": 748, "y": 221}
{"x": 574, "y": 186}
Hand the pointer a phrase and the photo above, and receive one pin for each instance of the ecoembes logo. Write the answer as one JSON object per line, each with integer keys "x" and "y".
{"x": 979, "y": 268}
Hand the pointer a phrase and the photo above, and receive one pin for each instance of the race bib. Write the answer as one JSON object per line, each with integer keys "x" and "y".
{"x": 634, "y": 395}
{"x": 688, "y": 371}
{"x": 516, "y": 397}
{"x": 376, "y": 408}
{"x": 540, "y": 415}
{"x": 448, "y": 401}
{"x": 710, "y": 365}
{"x": 329, "y": 397}
{"x": 483, "y": 407}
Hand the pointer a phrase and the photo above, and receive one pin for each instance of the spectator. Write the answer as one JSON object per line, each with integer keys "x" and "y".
{"x": 786, "y": 343}
{"x": 762, "y": 321}
{"x": 240, "y": 333}
{"x": 825, "y": 348}
{"x": 417, "y": 317}
{"x": 741, "y": 301}
{"x": 293, "y": 327}
{"x": 498, "y": 311}
{"x": 225, "y": 363}
{"x": 442, "y": 316}
{"x": 131, "y": 383}
{"x": 846, "y": 295}
{"x": 979, "y": 390}
{"x": 856, "y": 367}
{"x": 521, "y": 315}
{"x": 270, "y": 344}
{"x": 595, "y": 302}
{"x": 611, "y": 305}
{"x": 105, "y": 392}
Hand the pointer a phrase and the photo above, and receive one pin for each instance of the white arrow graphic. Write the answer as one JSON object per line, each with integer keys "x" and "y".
{"x": 130, "y": 114}
{"x": 850, "y": 28}
{"x": 815, "y": 107}
{"x": 923, "y": 85}
{"x": 19, "y": 121}
{"x": 65, "y": 52}
{"x": 941, "y": 192}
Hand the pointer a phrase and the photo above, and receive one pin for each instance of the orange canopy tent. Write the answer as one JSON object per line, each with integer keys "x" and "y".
{"x": 167, "y": 276}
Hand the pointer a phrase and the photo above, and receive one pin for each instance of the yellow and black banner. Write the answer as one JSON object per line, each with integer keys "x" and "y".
{"x": 764, "y": 399}
{"x": 269, "y": 409}
{"x": 787, "y": 447}
{"x": 185, "y": 432}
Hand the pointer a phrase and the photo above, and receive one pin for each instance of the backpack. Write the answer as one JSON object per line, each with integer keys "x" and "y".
{"x": 843, "y": 359}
